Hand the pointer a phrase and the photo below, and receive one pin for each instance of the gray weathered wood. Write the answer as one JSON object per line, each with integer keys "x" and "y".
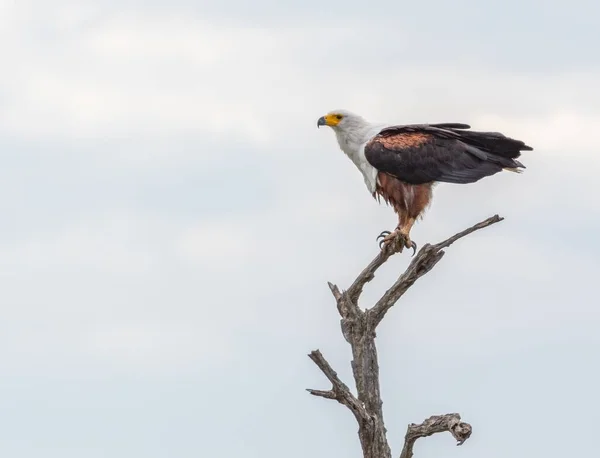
{"x": 358, "y": 328}
{"x": 436, "y": 424}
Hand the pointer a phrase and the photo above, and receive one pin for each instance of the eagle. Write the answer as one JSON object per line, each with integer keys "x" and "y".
{"x": 401, "y": 163}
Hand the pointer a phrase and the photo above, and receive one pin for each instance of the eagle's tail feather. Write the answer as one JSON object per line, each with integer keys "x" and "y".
{"x": 496, "y": 143}
{"x": 514, "y": 170}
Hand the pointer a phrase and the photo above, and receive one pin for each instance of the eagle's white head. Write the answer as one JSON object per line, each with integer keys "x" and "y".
{"x": 353, "y": 132}
{"x": 342, "y": 121}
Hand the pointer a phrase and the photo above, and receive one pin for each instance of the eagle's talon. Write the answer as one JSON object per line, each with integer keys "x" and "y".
{"x": 386, "y": 237}
{"x": 408, "y": 243}
{"x": 398, "y": 239}
{"x": 413, "y": 245}
{"x": 383, "y": 234}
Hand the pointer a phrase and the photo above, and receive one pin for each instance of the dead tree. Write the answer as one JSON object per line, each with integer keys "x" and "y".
{"x": 359, "y": 329}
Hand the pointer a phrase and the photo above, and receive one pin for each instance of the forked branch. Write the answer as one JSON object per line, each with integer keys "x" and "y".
{"x": 358, "y": 328}
{"x": 425, "y": 260}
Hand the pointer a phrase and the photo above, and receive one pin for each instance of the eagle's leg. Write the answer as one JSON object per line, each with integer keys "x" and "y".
{"x": 405, "y": 232}
{"x": 409, "y": 202}
{"x": 415, "y": 199}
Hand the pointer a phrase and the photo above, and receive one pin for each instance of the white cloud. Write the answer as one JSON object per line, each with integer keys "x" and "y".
{"x": 128, "y": 75}
{"x": 155, "y": 345}
{"x": 218, "y": 245}
{"x": 132, "y": 75}
{"x": 112, "y": 243}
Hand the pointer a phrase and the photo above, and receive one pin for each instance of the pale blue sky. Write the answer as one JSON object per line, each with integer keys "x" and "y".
{"x": 171, "y": 215}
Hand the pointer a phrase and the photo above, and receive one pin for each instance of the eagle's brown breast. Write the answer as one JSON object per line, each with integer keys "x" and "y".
{"x": 406, "y": 199}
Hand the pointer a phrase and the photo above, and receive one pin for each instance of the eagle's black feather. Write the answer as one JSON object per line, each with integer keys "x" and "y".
{"x": 423, "y": 153}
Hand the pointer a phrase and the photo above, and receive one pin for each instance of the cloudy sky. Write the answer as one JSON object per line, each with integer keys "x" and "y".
{"x": 171, "y": 214}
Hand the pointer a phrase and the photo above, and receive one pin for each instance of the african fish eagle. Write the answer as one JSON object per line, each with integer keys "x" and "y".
{"x": 401, "y": 163}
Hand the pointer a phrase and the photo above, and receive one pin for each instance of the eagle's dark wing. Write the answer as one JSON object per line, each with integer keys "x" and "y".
{"x": 422, "y": 153}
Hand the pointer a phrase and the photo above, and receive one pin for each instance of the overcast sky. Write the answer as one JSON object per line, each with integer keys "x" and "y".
{"x": 171, "y": 215}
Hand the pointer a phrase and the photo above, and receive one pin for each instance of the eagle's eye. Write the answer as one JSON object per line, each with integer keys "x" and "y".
{"x": 339, "y": 116}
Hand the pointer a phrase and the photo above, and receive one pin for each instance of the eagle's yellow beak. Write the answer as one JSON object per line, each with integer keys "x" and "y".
{"x": 330, "y": 120}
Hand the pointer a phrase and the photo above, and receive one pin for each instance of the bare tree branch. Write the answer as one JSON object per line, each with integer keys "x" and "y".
{"x": 348, "y": 310}
{"x": 340, "y": 392}
{"x": 488, "y": 222}
{"x": 424, "y": 261}
{"x": 329, "y": 394}
{"x": 436, "y": 424}
{"x": 368, "y": 274}
{"x": 335, "y": 291}
{"x": 358, "y": 328}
